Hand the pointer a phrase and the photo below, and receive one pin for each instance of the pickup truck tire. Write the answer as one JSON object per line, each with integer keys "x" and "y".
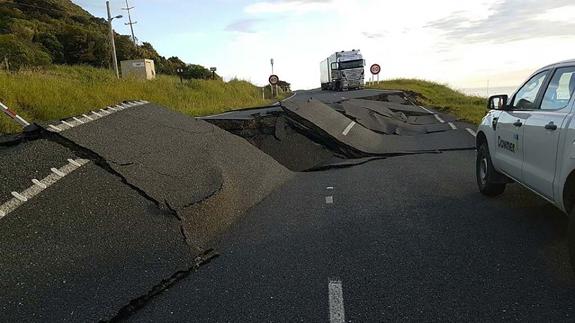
{"x": 485, "y": 172}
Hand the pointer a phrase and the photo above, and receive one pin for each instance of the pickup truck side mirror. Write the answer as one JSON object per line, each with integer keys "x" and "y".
{"x": 497, "y": 102}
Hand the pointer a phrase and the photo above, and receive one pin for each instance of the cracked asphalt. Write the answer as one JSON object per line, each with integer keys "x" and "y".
{"x": 409, "y": 237}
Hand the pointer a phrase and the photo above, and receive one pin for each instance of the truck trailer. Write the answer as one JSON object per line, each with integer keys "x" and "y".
{"x": 343, "y": 71}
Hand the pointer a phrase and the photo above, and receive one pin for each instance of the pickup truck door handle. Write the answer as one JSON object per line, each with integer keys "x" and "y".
{"x": 551, "y": 126}
{"x": 518, "y": 123}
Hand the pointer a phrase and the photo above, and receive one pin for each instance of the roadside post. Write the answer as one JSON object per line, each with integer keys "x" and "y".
{"x": 274, "y": 80}
{"x": 13, "y": 115}
{"x": 180, "y": 72}
{"x": 213, "y": 70}
{"x": 113, "y": 43}
{"x": 375, "y": 69}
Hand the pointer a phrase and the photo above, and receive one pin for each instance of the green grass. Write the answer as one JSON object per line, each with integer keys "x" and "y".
{"x": 441, "y": 97}
{"x": 64, "y": 91}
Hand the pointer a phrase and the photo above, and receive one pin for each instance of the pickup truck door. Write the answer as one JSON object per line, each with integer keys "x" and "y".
{"x": 543, "y": 129}
{"x": 509, "y": 128}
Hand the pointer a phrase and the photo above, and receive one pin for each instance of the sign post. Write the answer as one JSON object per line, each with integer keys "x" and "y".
{"x": 274, "y": 80}
{"x": 213, "y": 70}
{"x": 13, "y": 115}
{"x": 375, "y": 69}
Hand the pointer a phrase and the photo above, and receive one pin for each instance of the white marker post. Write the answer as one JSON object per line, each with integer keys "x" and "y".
{"x": 13, "y": 115}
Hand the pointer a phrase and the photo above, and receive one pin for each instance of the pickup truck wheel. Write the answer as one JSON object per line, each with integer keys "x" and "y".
{"x": 485, "y": 173}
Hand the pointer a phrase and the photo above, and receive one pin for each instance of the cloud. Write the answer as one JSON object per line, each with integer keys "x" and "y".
{"x": 373, "y": 35}
{"x": 284, "y": 6}
{"x": 510, "y": 20}
{"x": 243, "y": 26}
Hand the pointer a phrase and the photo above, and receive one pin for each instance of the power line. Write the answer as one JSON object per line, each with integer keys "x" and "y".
{"x": 130, "y": 23}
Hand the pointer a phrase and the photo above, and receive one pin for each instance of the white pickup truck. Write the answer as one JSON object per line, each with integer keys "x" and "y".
{"x": 529, "y": 138}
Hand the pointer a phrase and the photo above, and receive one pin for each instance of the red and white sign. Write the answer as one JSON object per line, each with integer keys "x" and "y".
{"x": 274, "y": 79}
{"x": 375, "y": 69}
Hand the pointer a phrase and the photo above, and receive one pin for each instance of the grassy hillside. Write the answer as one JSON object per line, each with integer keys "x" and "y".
{"x": 63, "y": 91}
{"x": 440, "y": 97}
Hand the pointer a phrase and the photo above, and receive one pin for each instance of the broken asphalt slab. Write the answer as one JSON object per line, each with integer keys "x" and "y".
{"x": 334, "y": 126}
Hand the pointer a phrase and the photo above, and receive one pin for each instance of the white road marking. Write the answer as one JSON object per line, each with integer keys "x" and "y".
{"x": 473, "y": 133}
{"x": 329, "y": 187}
{"x": 336, "y": 308}
{"x": 85, "y": 116}
{"x": 439, "y": 118}
{"x": 452, "y": 125}
{"x": 329, "y": 200}
{"x": 348, "y": 129}
{"x": 80, "y": 121}
{"x": 68, "y": 124}
{"x": 427, "y": 110}
{"x": 55, "y": 128}
{"x": 73, "y": 162}
{"x": 96, "y": 113}
{"x": 57, "y": 172}
{"x": 39, "y": 186}
{"x": 19, "y": 196}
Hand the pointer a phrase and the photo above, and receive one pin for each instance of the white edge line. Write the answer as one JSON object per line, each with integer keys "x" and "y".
{"x": 452, "y": 125}
{"x": 39, "y": 184}
{"x": 348, "y": 128}
{"x": 55, "y": 128}
{"x": 19, "y": 196}
{"x": 89, "y": 118}
{"x": 439, "y": 118}
{"x": 68, "y": 124}
{"x": 57, "y": 172}
{"x": 73, "y": 162}
{"x": 77, "y": 119}
{"x": 471, "y": 132}
{"x": 427, "y": 110}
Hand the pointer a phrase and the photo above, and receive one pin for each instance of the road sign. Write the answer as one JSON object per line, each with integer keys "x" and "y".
{"x": 375, "y": 69}
{"x": 213, "y": 69}
{"x": 274, "y": 79}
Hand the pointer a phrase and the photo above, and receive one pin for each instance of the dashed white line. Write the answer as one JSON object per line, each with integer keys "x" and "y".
{"x": 439, "y": 118}
{"x": 68, "y": 124}
{"x": 39, "y": 186}
{"x": 336, "y": 307}
{"x": 79, "y": 120}
{"x": 96, "y": 113}
{"x": 57, "y": 172}
{"x": 19, "y": 196}
{"x": 329, "y": 188}
{"x": 54, "y": 128}
{"x": 89, "y": 118}
{"x": 73, "y": 162}
{"x": 452, "y": 125}
{"x": 329, "y": 200}
{"x": 348, "y": 128}
{"x": 473, "y": 133}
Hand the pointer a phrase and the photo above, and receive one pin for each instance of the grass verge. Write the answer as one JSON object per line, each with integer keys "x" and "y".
{"x": 63, "y": 91}
{"x": 440, "y": 97}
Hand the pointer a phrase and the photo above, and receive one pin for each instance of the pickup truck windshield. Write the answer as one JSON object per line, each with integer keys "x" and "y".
{"x": 351, "y": 64}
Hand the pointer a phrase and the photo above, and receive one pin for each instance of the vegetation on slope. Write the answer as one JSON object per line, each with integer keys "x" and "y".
{"x": 44, "y": 32}
{"x": 64, "y": 91}
{"x": 440, "y": 97}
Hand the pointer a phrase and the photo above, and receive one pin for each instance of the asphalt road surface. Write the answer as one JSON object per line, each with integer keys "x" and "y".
{"x": 402, "y": 238}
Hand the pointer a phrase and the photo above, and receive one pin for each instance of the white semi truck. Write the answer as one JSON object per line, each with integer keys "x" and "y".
{"x": 343, "y": 71}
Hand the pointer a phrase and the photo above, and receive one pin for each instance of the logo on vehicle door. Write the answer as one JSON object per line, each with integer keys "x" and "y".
{"x": 504, "y": 144}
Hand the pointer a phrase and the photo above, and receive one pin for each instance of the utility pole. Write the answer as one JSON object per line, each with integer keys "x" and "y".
{"x": 272, "y": 61}
{"x": 130, "y": 23}
{"x": 113, "y": 43}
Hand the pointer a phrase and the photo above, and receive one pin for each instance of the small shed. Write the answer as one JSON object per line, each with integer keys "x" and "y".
{"x": 143, "y": 69}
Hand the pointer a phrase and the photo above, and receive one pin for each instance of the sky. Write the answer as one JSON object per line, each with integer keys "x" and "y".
{"x": 465, "y": 44}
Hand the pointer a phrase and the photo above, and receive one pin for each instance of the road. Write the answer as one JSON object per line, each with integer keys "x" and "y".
{"x": 401, "y": 238}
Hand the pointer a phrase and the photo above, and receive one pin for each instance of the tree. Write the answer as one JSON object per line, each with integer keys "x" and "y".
{"x": 22, "y": 54}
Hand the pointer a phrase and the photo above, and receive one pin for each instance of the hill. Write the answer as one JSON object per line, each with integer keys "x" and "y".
{"x": 44, "y": 32}
{"x": 439, "y": 96}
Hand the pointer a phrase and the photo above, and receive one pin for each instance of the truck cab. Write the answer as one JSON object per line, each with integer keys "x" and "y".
{"x": 343, "y": 71}
{"x": 529, "y": 138}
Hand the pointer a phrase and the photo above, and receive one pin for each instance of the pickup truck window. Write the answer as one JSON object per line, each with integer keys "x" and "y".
{"x": 526, "y": 96}
{"x": 560, "y": 89}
